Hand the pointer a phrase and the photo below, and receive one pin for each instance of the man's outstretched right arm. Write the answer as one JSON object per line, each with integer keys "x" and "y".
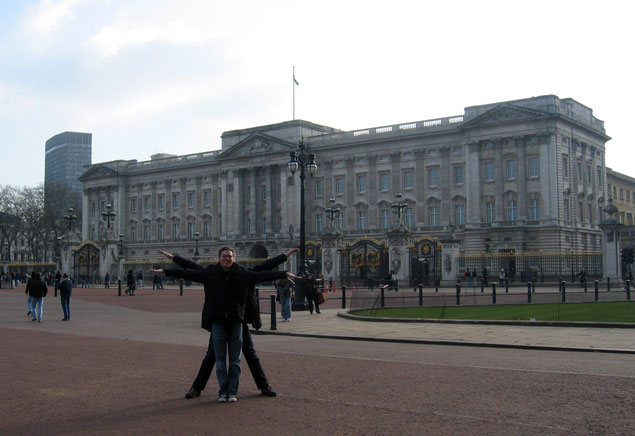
{"x": 181, "y": 261}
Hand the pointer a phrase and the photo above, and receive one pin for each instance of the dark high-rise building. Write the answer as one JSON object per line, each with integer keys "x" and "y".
{"x": 66, "y": 155}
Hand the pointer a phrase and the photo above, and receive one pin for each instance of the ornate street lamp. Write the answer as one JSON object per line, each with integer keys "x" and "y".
{"x": 196, "y": 235}
{"x": 302, "y": 161}
{"x": 108, "y": 215}
{"x": 70, "y": 217}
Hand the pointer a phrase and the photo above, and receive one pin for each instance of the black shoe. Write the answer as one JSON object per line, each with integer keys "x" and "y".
{"x": 64, "y": 319}
{"x": 28, "y": 313}
{"x": 192, "y": 393}
{"x": 317, "y": 311}
{"x": 267, "y": 391}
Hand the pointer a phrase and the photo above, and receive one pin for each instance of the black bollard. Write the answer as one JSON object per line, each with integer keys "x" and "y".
{"x": 533, "y": 287}
{"x": 506, "y": 285}
{"x": 528, "y": 292}
{"x": 608, "y": 284}
{"x": 493, "y": 293}
{"x": 343, "y": 296}
{"x": 383, "y": 302}
{"x": 421, "y": 294}
{"x": 458, "y": 294}
{"x": 597, "y": 290}
{"x": 272, "y": 298}
{"x": 564, "y": 292}
{"x": 628, "y": 290}
{"x": 181, "y": 287}
{"x": 119, "y": 287}
{"x": 482, "y": 287}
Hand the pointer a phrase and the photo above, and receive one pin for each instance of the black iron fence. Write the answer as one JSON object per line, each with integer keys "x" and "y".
{"x": 538, "y": 266}
{"x": 494, "y": 294}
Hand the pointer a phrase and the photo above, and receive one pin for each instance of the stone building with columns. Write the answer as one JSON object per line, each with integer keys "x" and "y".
{"x": 510, "y": 185}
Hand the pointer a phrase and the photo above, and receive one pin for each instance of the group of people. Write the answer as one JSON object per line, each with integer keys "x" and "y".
{"x": 230, "y": 304}
{"x": 36, "y": 290}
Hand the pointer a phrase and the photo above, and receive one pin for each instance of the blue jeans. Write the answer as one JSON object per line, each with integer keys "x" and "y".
{"x": 66, "y": 308}
{"x": 227, "y": 341}
{"x": 36, "y": 308}
{"x": 28, "y": 303}
{"x": 285, "y": 307}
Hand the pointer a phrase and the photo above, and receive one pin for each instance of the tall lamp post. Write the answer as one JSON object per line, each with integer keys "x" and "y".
{"x": 70, "y": 217}
{"x": 196, "y": 236}
{"x": 302, "y": 161}
{"x": 121, "y": 236}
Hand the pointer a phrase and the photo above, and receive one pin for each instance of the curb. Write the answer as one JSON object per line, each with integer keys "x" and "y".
{"x": 351, "y": 316}
{"x": 446, "y": 343}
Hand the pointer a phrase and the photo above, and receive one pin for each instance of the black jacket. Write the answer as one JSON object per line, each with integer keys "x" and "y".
{"x": 252, "y": 306}
{"x": 66, "y": 287}
{"x": 226, "y": 292}
{"x": 36, "y": 288}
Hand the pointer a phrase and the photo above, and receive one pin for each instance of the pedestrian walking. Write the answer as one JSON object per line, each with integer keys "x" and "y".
{"x": 107, "y": 280}
{"x": 286, "y": 288}
{"x": 37, "y": 289}
{"x": 140, "y": 279}
{"x": 132, "y": 285}
{"x": 311, "y": 291}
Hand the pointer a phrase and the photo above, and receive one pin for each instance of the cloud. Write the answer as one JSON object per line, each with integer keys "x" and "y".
{"x": 124, "y": 34}
{"x": 49, "y": 15}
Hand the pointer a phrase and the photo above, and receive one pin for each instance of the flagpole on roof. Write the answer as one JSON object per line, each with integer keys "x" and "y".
{"x": 294, "y": 84}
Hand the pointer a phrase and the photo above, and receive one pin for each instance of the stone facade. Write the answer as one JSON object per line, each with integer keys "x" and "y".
{"x": 519, "y": 176}
{"x": 621, "y": 188}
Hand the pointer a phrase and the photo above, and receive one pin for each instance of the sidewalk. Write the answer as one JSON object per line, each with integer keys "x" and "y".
{"x": 331, "y": 324}
{"x": 166, "y": 317}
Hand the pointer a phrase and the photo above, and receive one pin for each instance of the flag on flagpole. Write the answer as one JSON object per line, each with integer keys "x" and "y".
{"x": 295, "y": 81}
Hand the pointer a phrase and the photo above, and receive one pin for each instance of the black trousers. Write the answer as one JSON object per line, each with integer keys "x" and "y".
{"x": 313, "y": 299}
{"x": 249, "y": 352}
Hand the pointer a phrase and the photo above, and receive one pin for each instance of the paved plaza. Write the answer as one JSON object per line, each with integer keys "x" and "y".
{"x": 122, "y": 365}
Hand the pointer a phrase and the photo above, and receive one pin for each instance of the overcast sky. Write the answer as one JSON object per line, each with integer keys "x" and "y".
{"x": 148, "y": 76}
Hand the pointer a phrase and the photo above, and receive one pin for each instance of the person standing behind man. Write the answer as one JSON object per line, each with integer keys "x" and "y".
{"x": 226, "y": 287}
{"x": 66, "y": 288}
{"x": 37, "y": 289}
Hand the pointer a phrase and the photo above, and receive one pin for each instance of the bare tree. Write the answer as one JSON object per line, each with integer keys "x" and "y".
{"x": 31, "y": 207}
{"x": 10, "y": 223}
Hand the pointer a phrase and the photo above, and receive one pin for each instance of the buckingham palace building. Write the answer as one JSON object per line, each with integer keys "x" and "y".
{"x": 517, "y": 185}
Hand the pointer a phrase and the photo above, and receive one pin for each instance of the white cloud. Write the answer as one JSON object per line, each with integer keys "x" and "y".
{"x": 125, "y": 33}
{"x": 49, "y": 15}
